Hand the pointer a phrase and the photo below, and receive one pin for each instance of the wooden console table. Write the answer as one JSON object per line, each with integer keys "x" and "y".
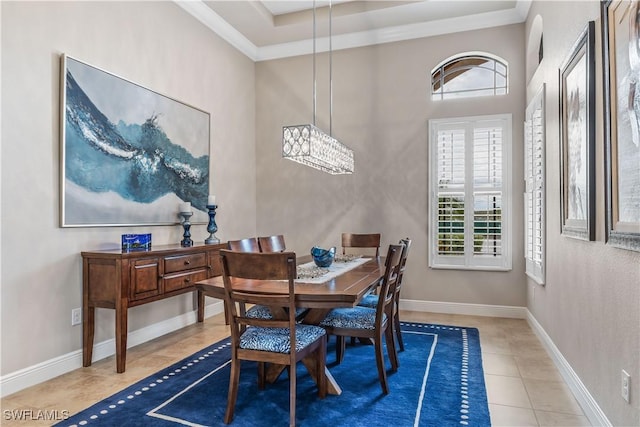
{"x": 119, "y": 280}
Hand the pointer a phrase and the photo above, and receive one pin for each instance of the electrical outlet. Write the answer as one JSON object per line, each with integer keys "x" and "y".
{"x": 626, "y": 385}
{"x": 76, "y": 316}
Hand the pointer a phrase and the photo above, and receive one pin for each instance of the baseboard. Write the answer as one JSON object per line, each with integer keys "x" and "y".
{"x": 589, "y": 405}
{"x": 52, "y": 368}
{"x": 463, "y": 308}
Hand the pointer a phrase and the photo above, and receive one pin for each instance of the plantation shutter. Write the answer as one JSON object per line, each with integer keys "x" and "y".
{"x": 468, "y": 192}
{"x": 487, "y": 178}
{"x": 451, "y": 178}
{"x": 534, "y": 189}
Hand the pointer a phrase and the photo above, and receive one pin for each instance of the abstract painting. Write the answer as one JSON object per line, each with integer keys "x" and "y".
{"x": 577, "y": 117}
{"x": 621, "y": 63}
{"x": 129, "y": 156}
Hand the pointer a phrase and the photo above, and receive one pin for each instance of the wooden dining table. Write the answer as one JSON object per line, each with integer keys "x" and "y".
{"x": 344, "y": 290}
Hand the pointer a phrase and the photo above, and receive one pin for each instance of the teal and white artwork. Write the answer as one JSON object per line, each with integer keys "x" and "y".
{"x": 130, "y": 156}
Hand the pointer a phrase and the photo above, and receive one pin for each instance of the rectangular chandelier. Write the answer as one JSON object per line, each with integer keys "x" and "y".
{"x": 310, "y": 146}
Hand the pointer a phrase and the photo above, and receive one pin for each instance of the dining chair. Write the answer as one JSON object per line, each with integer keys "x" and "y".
{"x": 278, "y": 341}
{"x": 272, "y": 243}
{"x": 249, "y": 244}
{"x": 352, "y": 240}
{"x": 371, "y": 323}
{"x": 371, "y": 300}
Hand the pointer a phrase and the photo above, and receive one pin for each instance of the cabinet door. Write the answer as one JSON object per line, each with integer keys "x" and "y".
{"x": 215, "y": 265}
{"x": 145, "y": 278}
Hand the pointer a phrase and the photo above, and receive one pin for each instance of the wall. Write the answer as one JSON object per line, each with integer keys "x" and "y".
{"x": 590, "y": 306}
{"x": 157, "y": 45}
{"x": 381, "y": 108}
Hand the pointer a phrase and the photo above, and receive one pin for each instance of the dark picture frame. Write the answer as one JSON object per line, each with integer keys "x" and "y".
{"x": 129, "y": 155}
{"x": 621, "y": 90}
{"x": 577, "y": 138}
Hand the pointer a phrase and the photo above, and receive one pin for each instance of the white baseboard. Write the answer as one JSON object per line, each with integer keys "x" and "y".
{"x": 52, "y": 368}
{"x": 589, "y": 405}
{"x": 462, "y": 308}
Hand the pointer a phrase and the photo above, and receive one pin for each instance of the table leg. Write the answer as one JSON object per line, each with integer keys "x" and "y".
{"x": 121, "y": 337}
{"x": 332, "y": 384}
{"x": 274, "y": 371}
{"x": 200, "y": 297}
{"x": 88, "y": 328}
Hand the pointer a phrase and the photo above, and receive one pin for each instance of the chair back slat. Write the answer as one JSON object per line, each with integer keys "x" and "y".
{"x": 388, "y": 283}
{"x": 352, "y": 240}
{"x": 272, "y": 243}
{"x": 244, "y": 245}
{"x": 406, "y": 242}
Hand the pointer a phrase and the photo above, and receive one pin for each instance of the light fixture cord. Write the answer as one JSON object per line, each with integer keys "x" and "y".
{"x": 314, "y": 62}
{"x": 330, "y": 76}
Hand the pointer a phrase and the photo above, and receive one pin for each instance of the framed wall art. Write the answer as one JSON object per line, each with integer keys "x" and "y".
{"x": 577, "y": 138}
{"x": 621, "y": 72}
{"x": 129, "y": 155}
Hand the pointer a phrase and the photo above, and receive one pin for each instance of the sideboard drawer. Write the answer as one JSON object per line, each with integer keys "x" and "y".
{"x": 177, "y": 263}
{"x": 185, "y": 280}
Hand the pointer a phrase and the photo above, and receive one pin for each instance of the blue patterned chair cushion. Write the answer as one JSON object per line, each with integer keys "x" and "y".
{"x": 351, "y": 318}
{"x": 370, "y": 301}
{"x": 263, "y": 312}
{"x": 277, "y": 339}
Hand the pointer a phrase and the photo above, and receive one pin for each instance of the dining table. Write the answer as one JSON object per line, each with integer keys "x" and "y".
{"x": 341, "y": 286}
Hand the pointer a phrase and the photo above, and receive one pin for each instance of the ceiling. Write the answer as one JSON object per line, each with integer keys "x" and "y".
{"x": 270, "y": 29}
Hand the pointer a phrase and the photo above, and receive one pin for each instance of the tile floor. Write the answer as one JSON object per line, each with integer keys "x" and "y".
{"x": 523, "y": 386}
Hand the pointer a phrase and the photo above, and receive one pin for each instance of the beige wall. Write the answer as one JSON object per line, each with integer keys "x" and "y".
{"x": 157, "y": 45}
{"x": 381, "y": 108}
{"x": 590, "y": 306}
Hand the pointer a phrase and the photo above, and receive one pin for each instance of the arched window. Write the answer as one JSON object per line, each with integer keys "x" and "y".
{"x": 469, "y": 74}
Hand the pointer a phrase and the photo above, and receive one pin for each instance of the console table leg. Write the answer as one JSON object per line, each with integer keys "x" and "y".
{"x": 200, "y": 306}
{"x": 121, "y": 338}
{"x": 88, "y": 327}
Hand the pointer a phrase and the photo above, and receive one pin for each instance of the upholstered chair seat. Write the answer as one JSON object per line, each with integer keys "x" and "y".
{"x": 276, "y": 340}
{"x": 263, "y": 312}
{"x": 370, "y": 301}
{"x": 352, "y": 318}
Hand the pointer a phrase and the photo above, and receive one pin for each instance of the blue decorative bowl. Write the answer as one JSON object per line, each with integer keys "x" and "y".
{"x": 323, "y": 257}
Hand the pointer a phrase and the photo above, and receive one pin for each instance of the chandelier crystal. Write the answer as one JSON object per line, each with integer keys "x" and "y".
{"x": 309, "y": 145}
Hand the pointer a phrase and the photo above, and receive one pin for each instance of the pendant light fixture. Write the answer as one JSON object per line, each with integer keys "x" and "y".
{"x": 308, "y": 144}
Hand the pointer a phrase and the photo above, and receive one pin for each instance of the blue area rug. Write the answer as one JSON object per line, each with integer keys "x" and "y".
{"x": 440, "y": 382}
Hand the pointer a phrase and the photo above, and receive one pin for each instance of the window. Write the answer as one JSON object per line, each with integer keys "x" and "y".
{"x": 534, "y": 207}
{"x": 469, "y": 75}
{"x": 470, "y": 206}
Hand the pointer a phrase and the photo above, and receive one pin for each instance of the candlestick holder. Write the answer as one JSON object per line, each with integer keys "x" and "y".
{"x": 212, "y": 227}
{"x": 186, "y": 241}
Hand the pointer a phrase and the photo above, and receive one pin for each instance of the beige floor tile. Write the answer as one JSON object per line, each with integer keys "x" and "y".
{"x": 507, "y": 391}
{"x": 500, "y": 364}
{"x": 509, "y": 416}
{"x": 548, "y": 419}
{"x": 552, "y": 396}
{"x": 496, "y": 343}
{"x": 539, "y": 368}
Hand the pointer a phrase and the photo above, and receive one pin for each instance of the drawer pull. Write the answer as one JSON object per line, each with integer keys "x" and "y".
{"x": 187, "y": 262}
{"x": 187, "y": 280}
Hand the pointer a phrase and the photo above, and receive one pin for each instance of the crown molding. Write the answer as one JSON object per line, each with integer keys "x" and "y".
{"x": 199, "y": 10}
{"x": 391, "y": 34}
{"x": 213, "y": 21}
